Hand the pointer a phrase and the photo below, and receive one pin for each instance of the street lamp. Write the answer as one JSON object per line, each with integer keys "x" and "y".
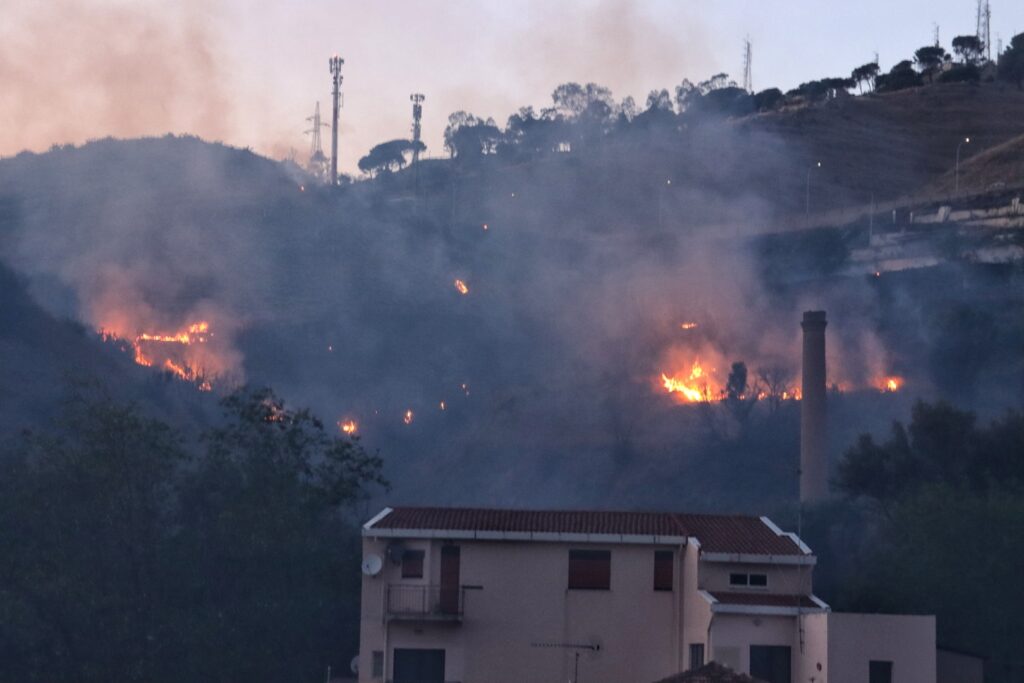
{"x": 807, "y": 199}
{"x": 956, "y": 172}
{"x": 661, "y": 196}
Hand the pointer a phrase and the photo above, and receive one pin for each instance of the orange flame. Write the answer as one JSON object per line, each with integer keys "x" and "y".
{"x": 196, "y": 333}
{"x": 461, "y": 286}
{"x": 688, "y": 326}
{"x": 890, "y": 384}
{"x": 407, "y": 418}
{"x": 693, "y": 388}
{"x": 348, "y": 426}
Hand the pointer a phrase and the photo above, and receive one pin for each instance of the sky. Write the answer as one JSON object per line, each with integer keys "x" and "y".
{"x": 249, "y": 72}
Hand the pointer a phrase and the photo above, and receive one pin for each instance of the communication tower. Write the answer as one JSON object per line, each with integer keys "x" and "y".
{"x": 317, "y": 160}
{"x": 335, "y": 63}
{"x": 984, "y": 26}
{"x": 417, "y": 114}
{"x": 748, "y": 81}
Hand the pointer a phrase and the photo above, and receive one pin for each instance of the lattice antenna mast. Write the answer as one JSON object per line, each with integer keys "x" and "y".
{"x": 316, "y": 149}
{"x": 336, "y": 63}
{"x": 748, "y": 56}
{"x": 984, "y": 26}
{"x": 936, "y": 32}
{"x": 417, "y": 114}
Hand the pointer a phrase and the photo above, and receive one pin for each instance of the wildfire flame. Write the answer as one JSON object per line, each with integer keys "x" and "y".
{"x": 693, "y": 388}
{"x": 461, "y": 286}
{"x": 407, "y": 418}
{"x": 348, "y": 426}
{"x": 145, "y": 343}
{"x": 890, "y": 384}
{"x": 688, "y": 326}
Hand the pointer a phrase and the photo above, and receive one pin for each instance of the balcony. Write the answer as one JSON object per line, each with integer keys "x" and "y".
{"x": 425, "y": 603}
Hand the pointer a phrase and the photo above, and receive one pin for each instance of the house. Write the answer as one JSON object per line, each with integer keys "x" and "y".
{"x": 490, "y": 595}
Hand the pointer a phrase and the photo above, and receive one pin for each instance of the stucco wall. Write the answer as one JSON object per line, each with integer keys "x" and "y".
{"x": 790, "y": 579}
{"x": 907, "y": 641}
{"x": 515, "y": 623}
{"x": 733, "y": 634}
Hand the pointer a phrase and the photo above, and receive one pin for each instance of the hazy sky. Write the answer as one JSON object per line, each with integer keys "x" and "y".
{"x": 248, "y": 72}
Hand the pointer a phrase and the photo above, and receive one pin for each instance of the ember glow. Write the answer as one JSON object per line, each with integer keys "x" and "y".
{"x": 461, "y": 286}
{"x": 348, "y": 426}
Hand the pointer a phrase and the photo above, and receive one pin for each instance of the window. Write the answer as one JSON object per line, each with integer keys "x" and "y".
{"x": 412, "y": 564}
{"x": 590, "y": 569}
{"x": 663, "y": 570}
{"x": 756, "y": 580}
{"x": 879, "y": 671}
{"x": 696, "y": 655}
{"x": 378, "y": 664}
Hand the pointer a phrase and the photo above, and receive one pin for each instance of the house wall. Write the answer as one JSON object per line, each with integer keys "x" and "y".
{"x": 907, "y": 641}
{"x": 787, "y": 579}
{"x": 696, "y": 610}
{"x": 733, "y": 634}
{"x": 515, "y": 622}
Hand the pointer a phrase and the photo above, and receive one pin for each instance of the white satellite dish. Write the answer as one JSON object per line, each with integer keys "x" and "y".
{"x": 372, "y": 565}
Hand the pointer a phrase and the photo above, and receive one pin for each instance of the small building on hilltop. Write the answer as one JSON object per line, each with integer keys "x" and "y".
{"x": 494, "y": 596}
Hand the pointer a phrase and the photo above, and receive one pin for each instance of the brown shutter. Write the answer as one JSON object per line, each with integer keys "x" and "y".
{"x": 590, "y": 569}
{"x": 663, "y": 570}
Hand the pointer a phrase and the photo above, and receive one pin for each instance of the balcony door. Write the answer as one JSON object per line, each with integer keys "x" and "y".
{"x": 450, "y": 579}
{"x": 418, "y": 666}
{"x": 771, "y": 663}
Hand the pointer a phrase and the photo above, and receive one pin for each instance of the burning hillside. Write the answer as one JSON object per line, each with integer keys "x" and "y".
{"x": 188, "y": 353}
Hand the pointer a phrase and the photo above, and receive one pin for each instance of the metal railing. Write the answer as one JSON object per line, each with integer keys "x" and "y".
{"x": 423, "y": 601}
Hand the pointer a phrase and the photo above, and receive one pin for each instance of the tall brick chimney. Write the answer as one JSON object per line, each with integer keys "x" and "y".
{"x": 813, "y": 418}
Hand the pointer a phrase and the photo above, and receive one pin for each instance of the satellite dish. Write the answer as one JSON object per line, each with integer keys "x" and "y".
{"x": 354, "y": 664}
{"x": 372, "y": 565}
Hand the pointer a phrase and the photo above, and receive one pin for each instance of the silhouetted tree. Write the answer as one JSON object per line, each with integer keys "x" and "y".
{"x": 969, "y": 48}
{"x": 389, "y": 156}
{"x": 929, "y": 58}
{"x": 900, "y": 77}
{"x": 769, "y": 99}
{"x": 866, "y": 73}
{"x": 1011, "y": 62}
{"x": 130, "y": 554}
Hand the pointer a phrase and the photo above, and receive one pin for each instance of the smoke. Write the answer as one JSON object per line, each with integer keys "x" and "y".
{"x": 73, "y": 71}
{"x": 549, "y": 368}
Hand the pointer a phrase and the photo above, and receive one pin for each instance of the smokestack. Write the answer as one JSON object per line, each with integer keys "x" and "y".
{"x": 813, "y": 427}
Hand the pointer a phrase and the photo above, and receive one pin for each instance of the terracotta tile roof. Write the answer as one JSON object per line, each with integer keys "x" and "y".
{"x": 716, "y": 533}
{"x": 765, "y": 599}
{"x": 737, "y": 534}
{"x": 557, "y": 521}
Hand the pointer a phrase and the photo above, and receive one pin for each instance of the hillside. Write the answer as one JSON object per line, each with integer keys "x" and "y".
{"x": 890, "y": 145}
{"x": 542, "y": 380}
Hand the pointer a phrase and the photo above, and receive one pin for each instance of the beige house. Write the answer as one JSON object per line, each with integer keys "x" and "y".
{"x": 528, "y": 596}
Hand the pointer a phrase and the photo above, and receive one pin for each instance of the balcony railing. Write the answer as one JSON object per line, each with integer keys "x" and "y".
{"x": 425, "y": 602}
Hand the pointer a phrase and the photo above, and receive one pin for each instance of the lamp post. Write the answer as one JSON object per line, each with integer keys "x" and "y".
{"x": 661, "y": 198}
{"x": 807, "y": 197}
{"x": 956, "y": 171}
